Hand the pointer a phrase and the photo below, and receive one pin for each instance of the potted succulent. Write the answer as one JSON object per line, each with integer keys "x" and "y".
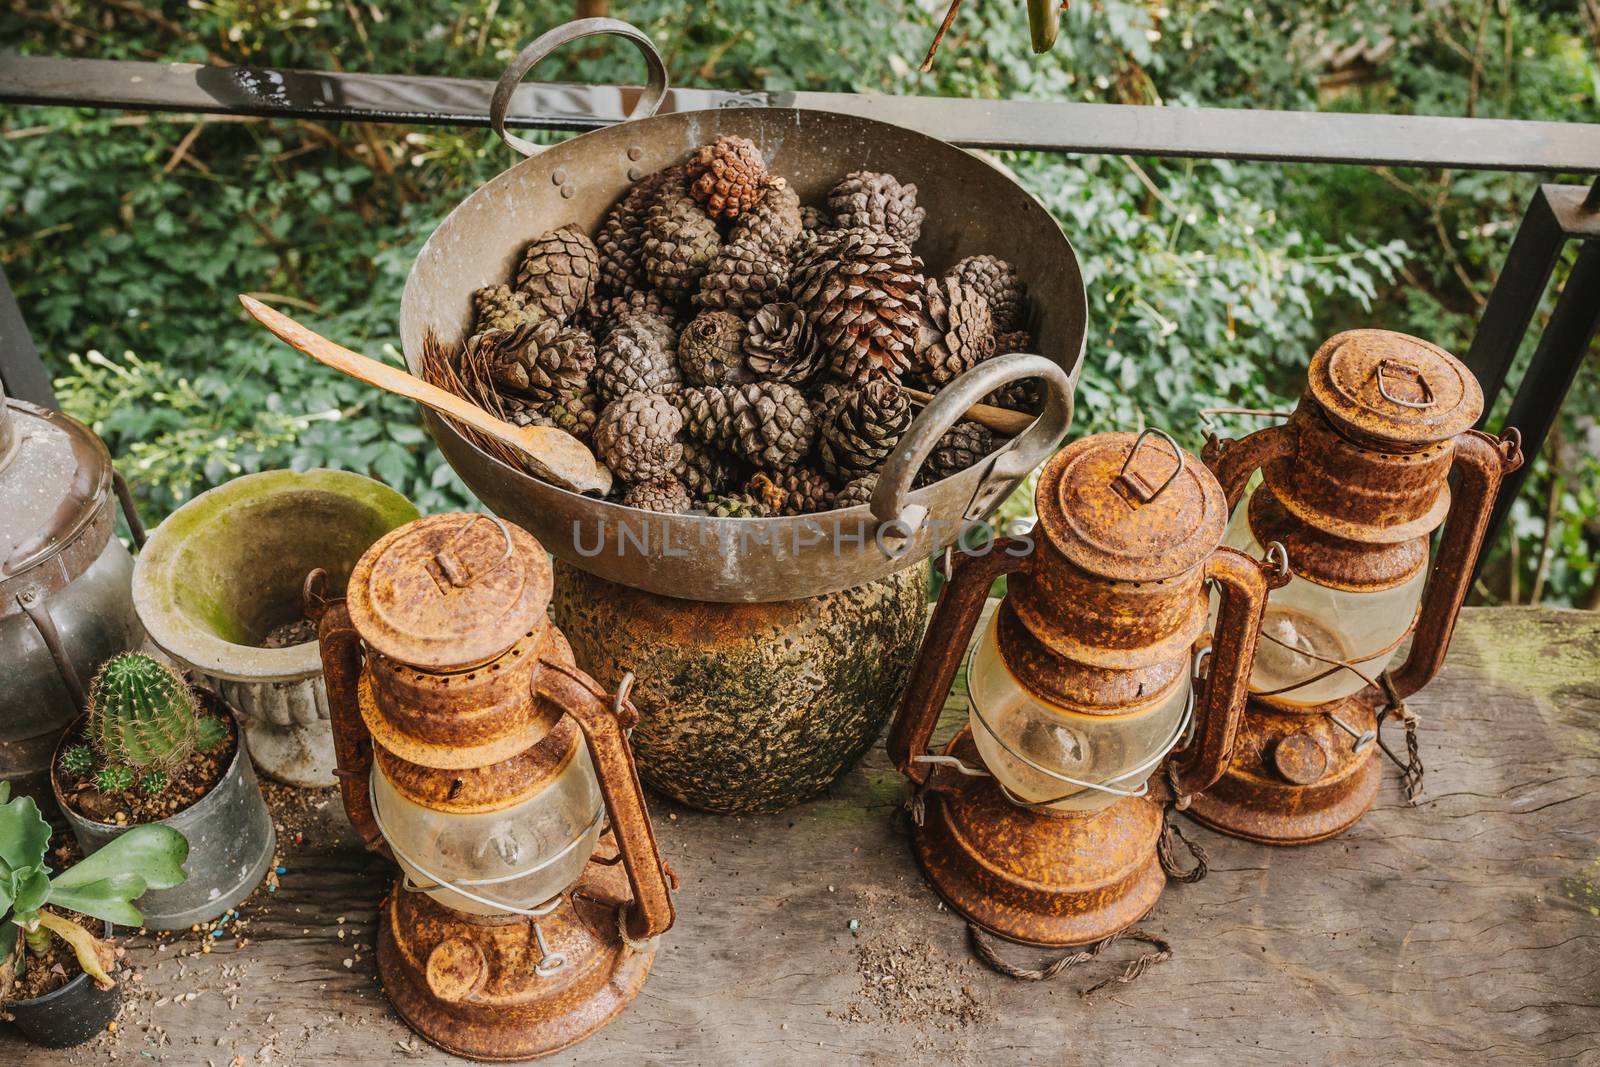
{"x": 55, "y": 980}
{"x": 153, "y": 750}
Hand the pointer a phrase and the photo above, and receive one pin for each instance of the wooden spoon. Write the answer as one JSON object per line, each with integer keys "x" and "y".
{"x": 1000, "y": 420}
{"x": 557, "y": 456}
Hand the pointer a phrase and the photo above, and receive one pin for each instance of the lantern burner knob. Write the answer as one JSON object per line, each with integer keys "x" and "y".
{"x": 1300, "y": 758}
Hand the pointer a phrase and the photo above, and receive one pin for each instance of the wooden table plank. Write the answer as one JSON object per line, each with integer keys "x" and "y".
{"x": 1462, "y": 931}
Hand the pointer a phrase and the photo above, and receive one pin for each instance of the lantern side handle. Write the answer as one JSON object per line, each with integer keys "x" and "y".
{"x": 1243, "y": 584}
{"x": 1233, "y": 462}
{"x": 340, "y": 646}
{"x": 567, "y": 689}
{"x": 943, "y": 648}
{"x": 1481, "y": 462}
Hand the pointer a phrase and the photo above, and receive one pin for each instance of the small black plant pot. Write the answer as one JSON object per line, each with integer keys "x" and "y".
{"x": 68, "y": 1016}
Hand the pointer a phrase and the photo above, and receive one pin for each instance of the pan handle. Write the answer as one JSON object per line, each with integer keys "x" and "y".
{"x": 1026, "y": 451}
{"x": 649, "y": 100}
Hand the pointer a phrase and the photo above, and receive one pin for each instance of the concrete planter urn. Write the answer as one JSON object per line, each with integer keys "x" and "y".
{"x": 224, "y": 571}
{"x": 748, "y": 707}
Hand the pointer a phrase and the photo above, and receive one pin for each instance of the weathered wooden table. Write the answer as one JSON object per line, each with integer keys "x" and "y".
{"x": 1466, "y": 930}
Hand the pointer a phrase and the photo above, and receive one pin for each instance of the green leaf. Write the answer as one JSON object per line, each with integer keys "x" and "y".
{"x": 154, "y": 853}
{"x": 29, "y": 889}
{"x": 24, "y": 836}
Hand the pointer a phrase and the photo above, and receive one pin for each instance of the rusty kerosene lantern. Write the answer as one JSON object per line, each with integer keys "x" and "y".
{"x": 1042, "y": 820}
{"x": 1354, "y": 485}
{"x": 474, "y": 753}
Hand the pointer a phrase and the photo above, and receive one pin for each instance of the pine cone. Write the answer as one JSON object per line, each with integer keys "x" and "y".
{"x": 558, "y": 272}
{"x": 774, "y": 223}
{"x": 958, "y": 448}
{"x": 877, "y": 202}
{"x": 998, "y": 282}
{"x": 500, "y": 307}
{"x": 638, "y": 356}
{"x": 779, "y": 346}
{"x": 827, "y": 394}
{"x": 637, "y": 437}
{"x": 857, "y": 492}
{"x": 620, "y": 239}
{"x": 664, "y": 494}
{"x": 735, "y": 506}
{"x": 956, "y": 330}
{"x": 863, "y": 292}
{"x": 804, "y": 489}
{"x": 767, "y": 423}
{"x": 705, "y": 470}
{"x": 860, "y": 432}
{"x": 726, "y": 176}
{"x": 538, "y": 360}
{"x": 679, "y": 241}
{"x": 1013, "y": 341}
{"x": 576, "y": 412}
{"x": 605, "y": 312}
{"x": 710, "y": 351}
{"x": 742, "y": 276}
{"x": 813, "y": 219}
{"x": 1025, "y": 394}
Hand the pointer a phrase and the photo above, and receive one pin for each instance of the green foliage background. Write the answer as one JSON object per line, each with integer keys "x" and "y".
{"x": 127, "y": 237}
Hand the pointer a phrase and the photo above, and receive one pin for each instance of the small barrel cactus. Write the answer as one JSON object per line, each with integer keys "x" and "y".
{"x": 114, "y": 778}
{"x": 78, "y": 760}
{"x": 141, "y": 713}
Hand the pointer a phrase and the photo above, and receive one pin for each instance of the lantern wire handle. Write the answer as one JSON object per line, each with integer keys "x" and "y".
{"x": 985, "y": 949}
{"x": 1136, "y": 487}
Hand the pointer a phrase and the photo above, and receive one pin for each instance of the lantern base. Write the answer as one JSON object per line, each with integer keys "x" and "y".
{"x": 469, "y": 985}
{"x": 1295, "y": 779}
{"x": 1052, "y": 880}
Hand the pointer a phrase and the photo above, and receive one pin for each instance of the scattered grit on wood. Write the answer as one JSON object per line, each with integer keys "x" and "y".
{"x": 904, "y": 979}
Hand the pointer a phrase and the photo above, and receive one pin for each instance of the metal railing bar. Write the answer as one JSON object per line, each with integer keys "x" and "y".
{"x": 1223, "y": 133}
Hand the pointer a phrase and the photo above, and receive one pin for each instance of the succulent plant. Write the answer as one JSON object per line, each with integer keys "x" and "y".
{"x": 114, "y": 778}
{"x": 153, "y": 781}
{"x": 103, "y": 886}
{"x": 213, "y": 733}
{"x": 78, "y": 760}
{"x": 141, "y": 713}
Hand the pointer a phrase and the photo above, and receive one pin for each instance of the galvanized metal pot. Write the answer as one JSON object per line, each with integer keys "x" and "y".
{"x": 68, "y": 1016}
{"x": 231, "y": 843}
{"x": 226, "y": 568}
{"x": 748, "y": 707}
{"x": 64, "y": 605}
{"x": 972, "y": 208}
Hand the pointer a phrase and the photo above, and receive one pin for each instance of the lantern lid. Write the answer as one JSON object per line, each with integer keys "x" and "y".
{"x": 1130, "y": 507}
{"x": 1393, "y": 388}
{"x": 449, "y": 591}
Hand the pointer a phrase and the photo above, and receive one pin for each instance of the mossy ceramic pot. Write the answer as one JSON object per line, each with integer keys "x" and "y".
{"x": 68, "y": 1016}
{"x": 224, "y": 571}
{"x": 229, "y": 830}
{"x": 748, "y": 707}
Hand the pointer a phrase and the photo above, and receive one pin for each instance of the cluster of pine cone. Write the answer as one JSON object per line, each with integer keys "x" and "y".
{"x": 726, "y": 349}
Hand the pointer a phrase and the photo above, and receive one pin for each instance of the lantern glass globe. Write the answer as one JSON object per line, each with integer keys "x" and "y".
{"x": 1307, "y": 625}
{"x": 1014, "y": 728}
{"x": 514, "y": 858}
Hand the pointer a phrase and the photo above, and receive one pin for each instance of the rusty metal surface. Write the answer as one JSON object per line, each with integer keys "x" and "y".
{"x": 1353, "y": 485}
{"x": 449, "y": 591}
{"x": 1122, "y": 506}
{"x": 1033, "y": 878}
{"x": 1260, "y": 798}
{"x": 1392, "y": 389}
{"x": 972, "y": 208}
{"x": 470, "y": 987}
{"x": 1097, "y": 641}
{"x": 474, "y": 986}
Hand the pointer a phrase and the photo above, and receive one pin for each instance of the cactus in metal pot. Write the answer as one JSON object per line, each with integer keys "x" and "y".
{"x": 142, "y": 714}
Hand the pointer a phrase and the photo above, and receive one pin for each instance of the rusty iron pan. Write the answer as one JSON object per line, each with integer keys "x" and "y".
{"x": 973, "y": 207}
